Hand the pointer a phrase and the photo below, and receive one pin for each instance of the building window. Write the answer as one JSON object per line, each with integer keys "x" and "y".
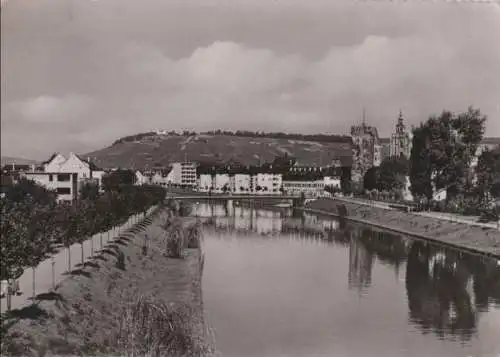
{"x": 51, "y": 178}
{"x": 63, "y": 177}
{"x": 64, "y": 191}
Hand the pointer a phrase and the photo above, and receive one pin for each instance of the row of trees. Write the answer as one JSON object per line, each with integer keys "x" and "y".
{"x": 388, "y": 181}
{"x": 443, "y": 157}
{"x": 33, "y": 222}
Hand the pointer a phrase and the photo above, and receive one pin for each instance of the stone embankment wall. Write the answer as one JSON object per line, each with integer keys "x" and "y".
{"x": 460, "y": 235}
{"x": 84, "y": 315}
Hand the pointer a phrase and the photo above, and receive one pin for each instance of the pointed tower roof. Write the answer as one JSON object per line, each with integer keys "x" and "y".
{"x": 400, "y": 126}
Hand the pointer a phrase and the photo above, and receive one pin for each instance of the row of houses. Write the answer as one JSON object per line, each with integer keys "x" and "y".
{"x": 264, "y": 184}
{"x": 179, "y": 174}
{"x": 66, "y": 176}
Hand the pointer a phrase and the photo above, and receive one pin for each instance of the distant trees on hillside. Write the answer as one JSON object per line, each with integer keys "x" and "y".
{"x": 135, "y": 137}
{"x": 245, "y": 133}
{"x": 281, "y": 135}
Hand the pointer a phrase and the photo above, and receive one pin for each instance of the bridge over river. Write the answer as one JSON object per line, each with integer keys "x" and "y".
{"x": 251, "y": 199}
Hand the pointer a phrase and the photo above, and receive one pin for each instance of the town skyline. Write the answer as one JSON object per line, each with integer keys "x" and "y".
{"x": 100, "y": 70}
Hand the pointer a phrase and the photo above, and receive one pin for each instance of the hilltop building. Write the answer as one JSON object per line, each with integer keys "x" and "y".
{"x": 366, "y": 150}
{"x": 400, "y": 145}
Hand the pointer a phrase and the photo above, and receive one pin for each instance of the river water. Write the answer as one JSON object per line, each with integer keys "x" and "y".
{"x": 284, "y": 283}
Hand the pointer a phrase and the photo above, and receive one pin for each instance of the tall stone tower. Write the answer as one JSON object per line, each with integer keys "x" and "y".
{"x": 400, "y": 139}
{"x": 366, "y": 150}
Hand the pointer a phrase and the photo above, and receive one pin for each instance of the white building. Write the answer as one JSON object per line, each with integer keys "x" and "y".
{"x": 377, "y": 155}
{"x": 222, "y": 183}
{"x": 205, "y": 183}
{"x": 407, "y": 195}
{"x": 266, "y": 184}
{"x": 161, "y": 178}
{"x": 311, "y": 189}
{"x": 140, "y": 178}
{"x": 332, "y": 181}
{"x": 66, "y": 185}
{"x": 439, "y": 195}
{"x": 308, "y": 188}
{"x": 184, "y": 174}
{"x": 66, "y": 175}
{"x": 242, "y": 183}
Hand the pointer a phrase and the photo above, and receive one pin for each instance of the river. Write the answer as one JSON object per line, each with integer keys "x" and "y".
{"x": 284, "y": 283}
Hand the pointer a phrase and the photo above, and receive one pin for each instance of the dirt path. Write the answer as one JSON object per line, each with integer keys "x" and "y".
{"x": 53, "y": 270}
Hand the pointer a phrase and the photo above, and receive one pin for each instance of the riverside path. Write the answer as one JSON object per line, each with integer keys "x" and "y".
{"x": 52, "y": 270}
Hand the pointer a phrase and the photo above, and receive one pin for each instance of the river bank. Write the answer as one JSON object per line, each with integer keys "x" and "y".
{"x": 475, "y": 239}
{"x": 130, "y": 299}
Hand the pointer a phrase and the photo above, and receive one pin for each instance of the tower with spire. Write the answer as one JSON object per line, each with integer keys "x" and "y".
{"x": 400, "y": 140}
{"x": 366, "y": 149}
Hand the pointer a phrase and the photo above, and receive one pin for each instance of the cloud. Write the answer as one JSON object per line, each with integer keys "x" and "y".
{"x": 233, "y": 84}
{"x": 122, "y": 67}
{"x": 52, "y": 110}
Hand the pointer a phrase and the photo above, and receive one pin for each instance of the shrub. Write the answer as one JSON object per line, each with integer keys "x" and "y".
{"x": 151, "y": 328}
{"x": 120, "y": 262}
{"x": 175, "y": 243}
{"x": 194, "y": 236}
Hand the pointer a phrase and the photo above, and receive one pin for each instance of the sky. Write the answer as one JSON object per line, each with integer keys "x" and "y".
{"x": 78, "y": 74}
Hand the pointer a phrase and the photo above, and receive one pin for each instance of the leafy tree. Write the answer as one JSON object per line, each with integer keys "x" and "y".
{"x": 345, "y": 181}
{"x": 117, "y": 179}
{"x": 392, "y": 174}
{"x": 25, "y": 188}
{"x": 443, "y": 149}
{"x": 37, "y": 240}
{"x": 71, "y": 220}
{"x": 89, "y": 191}
{"x": 488, "y": 175}
{"x": 14, "y": 228}
{"x": 420, "y": 165}
{"x": 370, "y": 180}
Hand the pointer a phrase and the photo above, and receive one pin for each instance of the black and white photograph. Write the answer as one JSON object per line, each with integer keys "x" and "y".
{"x": 250, "y": 178}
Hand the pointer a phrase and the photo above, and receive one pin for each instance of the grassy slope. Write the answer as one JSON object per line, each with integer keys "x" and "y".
{"x": 461, "y": 235}
{"x": 218, "y": 148}
{"x": 88, "y": 307}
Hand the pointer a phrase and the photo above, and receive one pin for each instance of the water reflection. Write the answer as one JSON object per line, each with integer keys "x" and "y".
{"x": 439, "y": 286}
{"x": 447, "y": 291}
{"x": 360, "y": 266}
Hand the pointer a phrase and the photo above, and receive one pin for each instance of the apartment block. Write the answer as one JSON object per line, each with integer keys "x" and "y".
{"x": 184, "y": 174}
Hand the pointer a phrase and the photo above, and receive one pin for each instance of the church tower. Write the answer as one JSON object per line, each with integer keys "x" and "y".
{"x": 366, "y": 150}
{"x": 400, "y": 139}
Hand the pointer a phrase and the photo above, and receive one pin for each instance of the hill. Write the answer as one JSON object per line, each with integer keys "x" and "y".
{"x": 5, "y": 160}
{"x": 151, "y": 149}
